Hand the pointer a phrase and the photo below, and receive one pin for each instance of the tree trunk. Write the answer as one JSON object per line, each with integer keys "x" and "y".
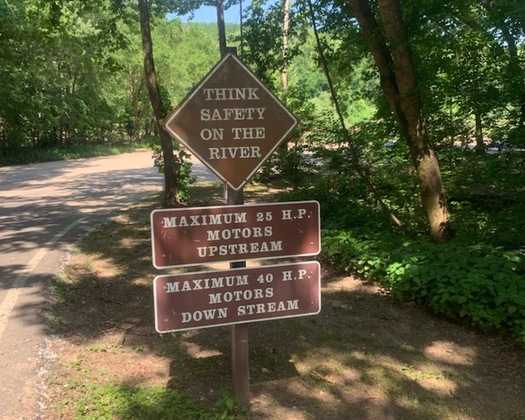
{"x": 478, "y": 131}
{"x": 399, "y": 84}
{"x": 515, "y": 63}
{"x": 221, "y": 27}
{"x": 515, "y": 69}
{"x": 286, "y": 28}
{"x": 170, "y": 169}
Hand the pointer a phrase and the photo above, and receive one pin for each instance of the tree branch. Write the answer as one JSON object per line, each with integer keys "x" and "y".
{"x": 355, "y": 157}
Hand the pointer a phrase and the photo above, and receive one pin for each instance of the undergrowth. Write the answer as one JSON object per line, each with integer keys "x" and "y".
{"x": 77, "y": 151}
{"x": 479, "y": 282}
{"x": 479, "y": 276}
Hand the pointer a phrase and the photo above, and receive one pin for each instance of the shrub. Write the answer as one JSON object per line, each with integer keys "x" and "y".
{"x": 482, "y": 283}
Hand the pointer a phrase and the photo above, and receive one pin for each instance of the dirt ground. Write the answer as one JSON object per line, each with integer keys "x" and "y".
{"x": 364, "y": 356}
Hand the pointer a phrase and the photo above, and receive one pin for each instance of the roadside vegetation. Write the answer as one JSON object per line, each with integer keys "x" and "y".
{"x": 479, "y": 277}
{"x": 365, "y": 354}
{"x": 75, "y": 151}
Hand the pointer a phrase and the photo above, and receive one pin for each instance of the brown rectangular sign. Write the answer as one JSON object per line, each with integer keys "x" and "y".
{"x": 210, "y": 299}
{"x": 198, "y": 235}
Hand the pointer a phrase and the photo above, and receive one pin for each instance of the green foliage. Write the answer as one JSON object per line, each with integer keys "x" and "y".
{"x": 182, "y": 167}
{"x": 114, "y": 401}
{"x": 226, "y": 405}
{"x": 58, "y": 61}
{"x": 487, "y": 196}
{"x": 479, "y": 277}
{"x": 356, "y": 251}
{"x": 184, "y": 53}
{"x": 482, "y": 283}
{"x": 71, "y": 72}
{"x": 31, "y": 155}
{"x": 262, "y": 39}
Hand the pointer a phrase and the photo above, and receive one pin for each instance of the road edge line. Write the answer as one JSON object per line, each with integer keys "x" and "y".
{"x": 8, "y": 304}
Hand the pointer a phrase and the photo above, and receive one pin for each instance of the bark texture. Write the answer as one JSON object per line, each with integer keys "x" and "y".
{"x": 170, "y": 168}
{"x": 391, "y": 52}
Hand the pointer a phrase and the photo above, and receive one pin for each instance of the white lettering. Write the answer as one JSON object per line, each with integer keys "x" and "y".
{"x": 206, "y": 283}
{"x": 239, "y": 249}
{"x": 286, "y": 214}
{"x": 207, "y": 314}
{"x": 172, "y": 287}
{"x": 204, "y": 220}
{"x": 242, "y": 152}
{"x": 238, "y": 233}
{"x": 231, "y": 94}
{"x": 232, "y": 114}
{"x": 248, "y": 133}
{"x": 287, "y": 275}
{"x": 268, "y": 307}
{"x": 240, "y": 295}
{"x": 212, "y": 134}
{"x": 169, "y": 222}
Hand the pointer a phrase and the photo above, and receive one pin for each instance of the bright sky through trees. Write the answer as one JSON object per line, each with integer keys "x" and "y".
{"x": 208, "y": 14}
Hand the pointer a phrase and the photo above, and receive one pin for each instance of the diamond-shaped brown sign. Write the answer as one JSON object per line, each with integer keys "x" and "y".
{"x": 231, "y": 122}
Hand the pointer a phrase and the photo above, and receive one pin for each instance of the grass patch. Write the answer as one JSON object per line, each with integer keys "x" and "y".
{"x": 124, "y": 402}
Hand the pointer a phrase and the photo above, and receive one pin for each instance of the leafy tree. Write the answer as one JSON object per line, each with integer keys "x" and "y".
{"x": 386, "y": 37}
{"x": 171, "y": 190}
{"x": 506, "y": 22}
{"x": 58, "y": 58}
{"x": 263, "y": 39}
{"x": 171, "y": 164}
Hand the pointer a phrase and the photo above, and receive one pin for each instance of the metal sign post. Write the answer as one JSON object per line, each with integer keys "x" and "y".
{"x": 240, "y": 348}
{"x": 235, "y": 232}
{"x": 239, "y": 337}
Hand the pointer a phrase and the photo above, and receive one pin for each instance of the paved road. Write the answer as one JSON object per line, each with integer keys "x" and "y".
{"x": 43, "y": 210}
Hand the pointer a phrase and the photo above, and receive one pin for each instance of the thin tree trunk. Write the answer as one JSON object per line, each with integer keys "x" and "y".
{"x": 399, "y": 83}
{"x": 286, "y": 27}
{"x": 355, "y": 157}
{"x": 170, "y": 169}
{"x": 221, "y": 27}
{"x": 478, "y": 131}
{"x": 514, "y": 64}
{"x": 516, "y": 69}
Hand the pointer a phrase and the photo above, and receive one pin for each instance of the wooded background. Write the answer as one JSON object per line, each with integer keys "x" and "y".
{"x": 412, "y": 122}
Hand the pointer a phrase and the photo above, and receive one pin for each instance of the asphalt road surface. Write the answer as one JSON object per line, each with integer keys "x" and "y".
{"x": 44, "y": 208}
